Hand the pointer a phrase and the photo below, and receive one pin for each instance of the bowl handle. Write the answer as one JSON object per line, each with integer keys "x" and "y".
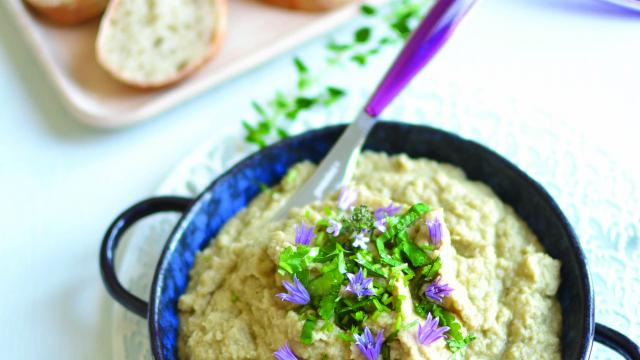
{"x": 112, "y": 238}
{"x": 617, "y": 342}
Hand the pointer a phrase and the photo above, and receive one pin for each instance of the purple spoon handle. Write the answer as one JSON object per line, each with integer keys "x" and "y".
{"x": 426, "y": 40}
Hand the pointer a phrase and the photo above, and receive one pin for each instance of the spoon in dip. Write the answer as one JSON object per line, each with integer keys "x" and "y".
{"x": 337, "y": 168}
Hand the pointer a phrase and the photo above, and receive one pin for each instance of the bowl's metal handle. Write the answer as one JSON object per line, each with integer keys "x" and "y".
{"x": 617, "y": 342}
{"x": 113, "y": 236}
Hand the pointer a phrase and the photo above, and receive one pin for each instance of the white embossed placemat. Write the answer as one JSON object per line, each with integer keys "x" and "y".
{"x": 600, "y": 198}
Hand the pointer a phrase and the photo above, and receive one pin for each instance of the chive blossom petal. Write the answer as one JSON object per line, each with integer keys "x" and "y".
{"x": 304, "y": 234}
{"x": 361, "y": 240}
{"x": 334, "y": 227}
{"x": 285, "y": 353}
{"x": 359, "y": 285}
{"x": 437, "y": 290}
{"x": 436, "y": 228}
{"x": 429, "y": 332}
{"x": 297, "y": 293}
{"x": 346, "y": 198}
{"x": 369, "y": 347}
{"x": 381, "y": 216}
{"x": 381, "y": 225}
{"x": 389, "y": 210}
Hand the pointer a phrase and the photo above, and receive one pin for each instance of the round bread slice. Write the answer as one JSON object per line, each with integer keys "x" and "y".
{"x": 151, "y": 44}
{"x": 68, "y": 12}
{"x": 309, "y": 5}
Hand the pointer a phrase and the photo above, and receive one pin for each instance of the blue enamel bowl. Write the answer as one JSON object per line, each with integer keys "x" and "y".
{"x": 204, "y": 216}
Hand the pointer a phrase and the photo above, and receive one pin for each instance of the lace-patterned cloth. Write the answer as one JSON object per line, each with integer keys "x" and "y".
{"x": 601, "y": 200}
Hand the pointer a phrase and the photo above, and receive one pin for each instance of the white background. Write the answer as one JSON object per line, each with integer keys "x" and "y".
{"x": 62, "y": 183}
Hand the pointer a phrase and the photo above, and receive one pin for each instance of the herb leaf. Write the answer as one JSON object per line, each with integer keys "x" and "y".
{"x": 366, "y": 9}
{"x": 295, "y": 261}
{"x": 362, "y": 35}
{"x": 300, "y": 66}
{"x": 306, "y": 336}
{"x": 325, "y": 283}
{"x": 457, "y": 346}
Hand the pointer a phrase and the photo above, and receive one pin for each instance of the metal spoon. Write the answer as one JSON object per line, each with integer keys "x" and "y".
{"x": 337, "y": 168}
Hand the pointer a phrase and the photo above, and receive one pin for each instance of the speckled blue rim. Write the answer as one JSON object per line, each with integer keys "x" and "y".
{"x": 386, "y": 136}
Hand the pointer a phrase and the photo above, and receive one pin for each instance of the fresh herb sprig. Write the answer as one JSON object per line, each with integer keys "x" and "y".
{"x": 327, "y": 268}
{"x": 387, "y": 26}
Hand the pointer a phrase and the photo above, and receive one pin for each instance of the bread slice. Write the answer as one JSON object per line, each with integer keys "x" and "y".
{"x": 309, "y": 5}
{"x": 68, "y": 12}
{"x": 155, "y": 43}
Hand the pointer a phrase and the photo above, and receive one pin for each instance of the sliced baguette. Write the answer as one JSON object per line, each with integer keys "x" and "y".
{"x": 68, "y": 12}
{"x": 151, "y": 44}
{"x": 309, "y": 5}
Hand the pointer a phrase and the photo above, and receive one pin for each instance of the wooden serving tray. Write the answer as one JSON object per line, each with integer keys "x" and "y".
{"x": 256, "y": 33}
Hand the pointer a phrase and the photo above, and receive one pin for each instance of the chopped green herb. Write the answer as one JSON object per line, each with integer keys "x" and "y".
{"x": 415, "y": 254}
{"x": 431, "y": 270}
{"x": 282, "y": 133}
{"x": 328, "y": 303}
{"x": 395, "y": 21}
{"x": 367, "y": 9}
{"x": 325, "y": 283}
{"x": 362, "y": 35}
{"x": 305, "y": 102}
{"x": 291, "y": 176}
{"x": 295, "y": 261}
{"x": 458, "y": 346}
{"x": 360, "y": 59}
{"x": 300, "y": 66}
{"x": 264, "y": 187}
{"x": 259, "y": 109}
{"x": 345, "y": 336}
{"x": 306, "y": 337}
{"x": 335, "y": 92}
{"x": 349, "y": 287}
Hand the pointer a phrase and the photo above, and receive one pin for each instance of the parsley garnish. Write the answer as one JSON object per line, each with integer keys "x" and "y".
{"x": 327, "y": 266}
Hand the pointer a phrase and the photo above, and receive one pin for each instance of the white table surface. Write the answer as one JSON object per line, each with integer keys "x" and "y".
{"x": 62, "y": 183}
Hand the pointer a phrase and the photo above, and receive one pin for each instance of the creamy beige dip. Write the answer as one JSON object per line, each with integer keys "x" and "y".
{"x": 504, "y": 283}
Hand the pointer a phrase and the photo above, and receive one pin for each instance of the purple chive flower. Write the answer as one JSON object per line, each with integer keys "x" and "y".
{"x": 436, "y": 290}
{"x": 285, "y": 353}
{"x": 346, "y": 198}
{"x": 369, "y": 347}
{"x": 304, "y": 234}
{"x": 297, "y": 293}
{"x": 381, "y": 213}
{"x": 359, "y": 285}
{"x": 435, "y": 227}
{"x": 334, "y": 227}
{"x": 381, "y": 225}
{"x": 429, "y": 332}
{"x": 361, "y": 240}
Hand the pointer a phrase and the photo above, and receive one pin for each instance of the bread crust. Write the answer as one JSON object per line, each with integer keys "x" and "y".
{"x": 309, "y": 5}
{"x": 219, "y": 35}
{"x": 72, "y": 13}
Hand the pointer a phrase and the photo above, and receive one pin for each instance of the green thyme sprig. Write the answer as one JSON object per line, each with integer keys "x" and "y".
{"x": 387, "y": 26}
